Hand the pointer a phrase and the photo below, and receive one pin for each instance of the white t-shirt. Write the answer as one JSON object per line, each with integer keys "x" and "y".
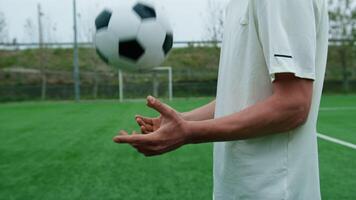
{"x": 262, "y": 38}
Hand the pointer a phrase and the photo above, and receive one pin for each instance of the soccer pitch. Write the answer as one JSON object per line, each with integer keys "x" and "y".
{"x": 63, "y": 150}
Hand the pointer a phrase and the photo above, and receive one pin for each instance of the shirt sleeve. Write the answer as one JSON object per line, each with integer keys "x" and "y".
{"x": 287, "y": 33}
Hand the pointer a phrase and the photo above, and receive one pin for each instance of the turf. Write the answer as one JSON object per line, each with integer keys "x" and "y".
{"x": 64, "y": 151}
{"x": 337, "y": 117}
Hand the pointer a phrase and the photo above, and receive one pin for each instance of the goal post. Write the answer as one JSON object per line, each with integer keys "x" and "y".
{"x": 121, "y": 86}
{"x": 154, "y": 70}
{"x": 170, "y": 80}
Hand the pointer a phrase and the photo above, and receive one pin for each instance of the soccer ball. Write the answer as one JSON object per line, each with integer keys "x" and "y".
{"x": 133, "y": 35}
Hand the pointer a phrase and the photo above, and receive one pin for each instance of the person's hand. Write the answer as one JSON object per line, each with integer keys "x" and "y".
{"x": 169, "y": 132}
{"x": 149, "y": 125}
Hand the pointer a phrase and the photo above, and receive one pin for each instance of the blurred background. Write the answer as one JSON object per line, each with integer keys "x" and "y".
{"x": 36, "y": 51}
{"x": 52, "y": 147}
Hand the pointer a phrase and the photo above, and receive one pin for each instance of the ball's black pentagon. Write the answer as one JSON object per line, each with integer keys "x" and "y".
{"x": 102, "y": 56}
{"x": 144, "y": 11}
{"x": 103, "y": 19}
{"x": 168, "y": 43}
{"x": 131, "y": 49}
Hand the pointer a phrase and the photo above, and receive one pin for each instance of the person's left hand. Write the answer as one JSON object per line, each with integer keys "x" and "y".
{"x": 171, "y": 135}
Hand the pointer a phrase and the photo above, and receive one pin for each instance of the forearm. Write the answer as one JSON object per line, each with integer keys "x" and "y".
{"x": 286, "y": 109}
{"x": 267, "y": 117}
{"x": 205, "y": 112}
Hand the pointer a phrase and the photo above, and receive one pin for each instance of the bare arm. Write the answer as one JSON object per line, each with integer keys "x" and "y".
{"x": 149, "y": 125}
{"x": 205, "y": 112}
{"x": 287, "y": 108}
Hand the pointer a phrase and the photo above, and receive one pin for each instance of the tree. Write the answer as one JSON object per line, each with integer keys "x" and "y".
{"x": 343, "y": 28}
{"x": 3, "y": 29}
{"x": 215, "y": 21}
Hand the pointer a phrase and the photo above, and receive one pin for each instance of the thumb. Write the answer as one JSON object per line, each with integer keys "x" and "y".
{"x": 160, "y": 107}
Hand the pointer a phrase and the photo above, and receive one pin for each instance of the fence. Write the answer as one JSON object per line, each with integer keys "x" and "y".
{"x": 177, "y": 44}
{"x": 106, "y": 86}
{"x": 19, "y": 82}
{"x": 103, "y": 86}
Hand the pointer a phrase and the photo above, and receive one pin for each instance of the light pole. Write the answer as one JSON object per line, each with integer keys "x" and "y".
{"x": 75, "y": 55}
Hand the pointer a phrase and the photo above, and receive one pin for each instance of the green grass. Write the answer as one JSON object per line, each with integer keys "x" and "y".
{"x": 339, "y": 123}
{"x": 193, "y": 58}
{"x": 64, "y": 151}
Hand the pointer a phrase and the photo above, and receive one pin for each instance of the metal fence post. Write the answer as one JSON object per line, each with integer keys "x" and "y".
{"x": 121, "y": 86}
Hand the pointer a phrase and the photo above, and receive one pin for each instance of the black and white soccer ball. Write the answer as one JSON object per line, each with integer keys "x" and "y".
{"x": 133, "y": 35}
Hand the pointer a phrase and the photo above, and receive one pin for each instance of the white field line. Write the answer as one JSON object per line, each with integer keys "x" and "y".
{"x": 337, "y": 141}
{"x": 337, "y": 108}
{"x": 334, "y": 140}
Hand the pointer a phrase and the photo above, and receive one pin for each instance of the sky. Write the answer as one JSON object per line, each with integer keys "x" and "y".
{"x": 188, "y": 18}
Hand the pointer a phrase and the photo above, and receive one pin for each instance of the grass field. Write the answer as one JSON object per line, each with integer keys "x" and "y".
{"x": 60, "y": 150}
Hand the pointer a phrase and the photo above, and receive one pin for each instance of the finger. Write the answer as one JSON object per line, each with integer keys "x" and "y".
{"x": 135, "y": 138}
{"x": 148, "y": 127}
{"x": 147, "y": 120}
{"x": 140, "y": 122}
{"x": 144, "y": 130}
{"x": 159, "y": 107}
{"x": 122, "y": 132}
{"x": 127, "y": 139}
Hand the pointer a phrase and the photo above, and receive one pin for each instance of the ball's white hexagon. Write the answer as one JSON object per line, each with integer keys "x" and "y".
{"x": 151, "y": 59}
{"x": 149, "y": 3}
{"x": 123, "y": 63}
{"x": 106, "y": 42}
{"x": 124, "y": 21}
{"x": 151, "y": 35}
{"x": 163, "y": 20}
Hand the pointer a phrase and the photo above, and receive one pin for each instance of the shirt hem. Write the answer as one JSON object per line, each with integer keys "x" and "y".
{"x": 304, "y": 75}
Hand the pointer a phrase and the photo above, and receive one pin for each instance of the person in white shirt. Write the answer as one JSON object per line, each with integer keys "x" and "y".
{"x": 263, "y": 121}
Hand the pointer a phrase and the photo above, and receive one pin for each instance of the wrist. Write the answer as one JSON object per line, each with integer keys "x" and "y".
{"x": 190, "y": 132}
{"x": 185, "y": 116}
{"x": 200, "y": 132}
